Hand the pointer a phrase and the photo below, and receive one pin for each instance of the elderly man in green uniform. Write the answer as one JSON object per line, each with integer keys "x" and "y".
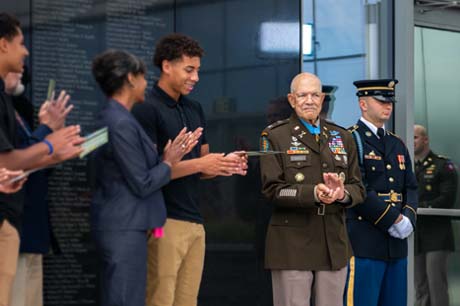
{"x": 434, "y": 238}
{"x": 310, "y": 184}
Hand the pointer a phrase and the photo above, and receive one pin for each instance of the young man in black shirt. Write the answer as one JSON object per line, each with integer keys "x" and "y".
{"x": 56, "y": 147}
{"x": 175, "y": 262}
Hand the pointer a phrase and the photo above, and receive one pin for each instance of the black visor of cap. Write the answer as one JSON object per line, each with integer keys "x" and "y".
{"x": 385, "y": 99}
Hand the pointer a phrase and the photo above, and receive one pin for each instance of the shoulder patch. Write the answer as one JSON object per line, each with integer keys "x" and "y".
{"x": 264, "y": 144}
{"x": 277, "y": 124}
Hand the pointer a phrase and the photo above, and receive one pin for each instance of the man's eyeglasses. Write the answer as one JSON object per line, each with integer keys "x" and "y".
{"x": 304, "y": 96}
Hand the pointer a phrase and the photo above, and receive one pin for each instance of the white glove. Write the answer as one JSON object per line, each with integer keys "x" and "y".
{"x": 402, "y": 229}
{"x": 393, "y": 232}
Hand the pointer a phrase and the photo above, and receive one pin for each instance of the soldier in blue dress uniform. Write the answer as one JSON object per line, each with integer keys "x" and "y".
{"x": 379, "y": 227}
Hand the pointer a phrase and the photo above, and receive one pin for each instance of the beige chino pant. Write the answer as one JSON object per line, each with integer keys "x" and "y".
{"x": 9, "y": 251}
{"x": 295, "y": 288}
{"x": 175, "y": 264}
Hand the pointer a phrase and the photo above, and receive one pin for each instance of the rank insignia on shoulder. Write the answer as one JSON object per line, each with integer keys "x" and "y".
{"x": 353, "y": 128}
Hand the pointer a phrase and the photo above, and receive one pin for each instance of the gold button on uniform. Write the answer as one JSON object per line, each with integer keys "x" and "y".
{"x": 360, "y": 218}
{"x": 391, "y": 180}
{"x": 373, "y": 168}
{"x": 393, "y": 204}
{"x": 324, "y": 165}
{"x": 389, "y": 167}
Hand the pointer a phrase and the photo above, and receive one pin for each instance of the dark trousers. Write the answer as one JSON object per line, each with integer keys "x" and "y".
{"x": 122, "y": 267}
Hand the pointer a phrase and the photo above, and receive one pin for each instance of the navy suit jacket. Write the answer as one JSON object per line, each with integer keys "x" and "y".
{"x": 129, "y": 176}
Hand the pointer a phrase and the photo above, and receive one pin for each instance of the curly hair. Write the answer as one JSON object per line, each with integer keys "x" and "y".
{"x": 111, "y": 68}
{"x": 173, "y": 46}
{"x": 9, "y": 26}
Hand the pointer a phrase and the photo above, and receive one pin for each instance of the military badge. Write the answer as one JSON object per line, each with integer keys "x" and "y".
{"x": 299, "y": 177}
{"x": 334, "y": 133}
{"x": 336, "y": 145}
{"x": 372, "y": 156}
{"x": 401, "y": 162}
{"x": 295, "y": 141}
{"x": 296, "y": 158}
{"x": 297, "y": 150}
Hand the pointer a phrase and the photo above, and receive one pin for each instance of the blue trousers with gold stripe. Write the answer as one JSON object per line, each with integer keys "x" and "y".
{"x": 373, "y": 282}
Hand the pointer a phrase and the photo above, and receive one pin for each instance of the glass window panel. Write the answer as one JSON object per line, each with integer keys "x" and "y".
{"x": 436, "y": 107}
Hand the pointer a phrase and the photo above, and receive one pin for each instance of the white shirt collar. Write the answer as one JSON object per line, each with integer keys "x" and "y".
{"x": 371, "y": 126}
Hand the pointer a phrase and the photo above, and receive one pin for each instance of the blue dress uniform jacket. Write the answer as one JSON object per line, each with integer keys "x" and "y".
{"x": 391, "y": 189}
{"x": 129, "y": 176}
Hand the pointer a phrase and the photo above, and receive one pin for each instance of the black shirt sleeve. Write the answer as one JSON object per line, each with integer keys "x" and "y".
{"x": 203, "y": 124}
{"x": 5, "y": 142}
{"x": 146, "y": 115}
{"x": 5, "y": 145}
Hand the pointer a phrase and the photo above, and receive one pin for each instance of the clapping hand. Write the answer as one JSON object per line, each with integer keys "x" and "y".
{"x": 54, "y": 112}
{"x": 331, "y": 190}
{"x": 184, "y": 142}
{"x": 241, "y": 159}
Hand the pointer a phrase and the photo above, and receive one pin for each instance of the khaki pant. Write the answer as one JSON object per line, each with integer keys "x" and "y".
{"x": 28, "y": 283}
{"x": 294, "y": 288}
{"x": 175, "y": 264}
{"x": 9, "y": 251}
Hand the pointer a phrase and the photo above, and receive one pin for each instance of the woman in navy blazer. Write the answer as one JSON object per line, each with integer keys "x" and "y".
{"x": 127, "y": 203}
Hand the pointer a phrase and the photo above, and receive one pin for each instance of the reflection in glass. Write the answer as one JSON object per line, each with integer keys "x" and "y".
{"x": 437, "y": 107}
